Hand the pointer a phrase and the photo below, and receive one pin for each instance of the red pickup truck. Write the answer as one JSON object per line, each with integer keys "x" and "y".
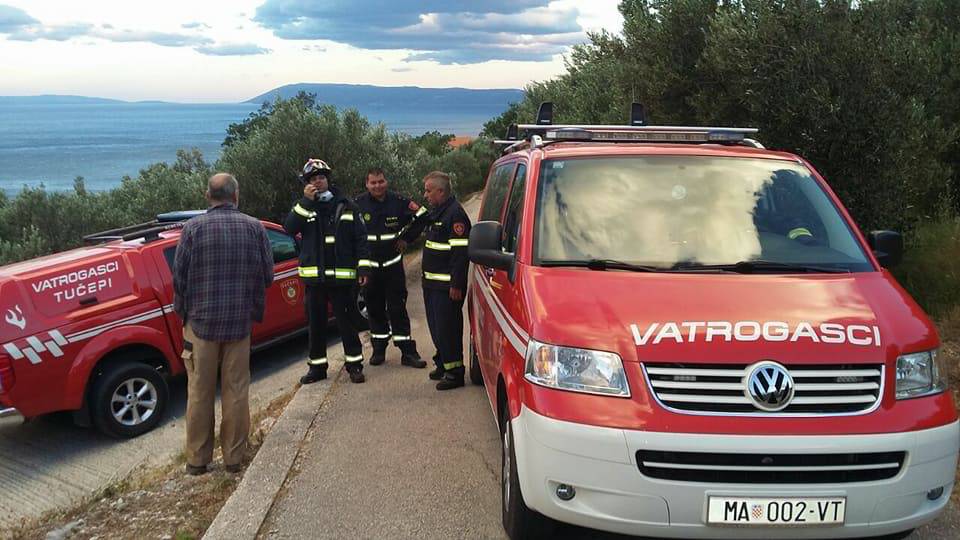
{"x": 92, "y": 330}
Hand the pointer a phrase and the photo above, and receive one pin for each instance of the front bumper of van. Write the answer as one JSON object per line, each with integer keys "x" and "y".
{"x": 612, "y": 494}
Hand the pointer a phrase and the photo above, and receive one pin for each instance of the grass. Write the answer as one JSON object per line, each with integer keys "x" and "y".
{"x": 153, "y": 502}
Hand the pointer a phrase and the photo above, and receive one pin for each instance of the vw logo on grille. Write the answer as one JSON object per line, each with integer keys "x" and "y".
{"x": 769, "y": 386}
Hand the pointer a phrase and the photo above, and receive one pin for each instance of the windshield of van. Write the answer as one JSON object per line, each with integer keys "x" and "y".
{"x": 687, "y": 213}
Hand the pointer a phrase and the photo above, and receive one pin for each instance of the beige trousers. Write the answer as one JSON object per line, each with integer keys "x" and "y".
{"x": 233, "y": 360}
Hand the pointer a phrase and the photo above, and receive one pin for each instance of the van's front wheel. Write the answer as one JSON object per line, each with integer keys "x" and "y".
{"x": 519, "y": 521}
{"x": 128, "y": 400}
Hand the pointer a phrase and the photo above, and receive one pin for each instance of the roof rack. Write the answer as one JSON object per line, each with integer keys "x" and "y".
{"x": 544, "y": 132}
{"x": 149, "y": 230}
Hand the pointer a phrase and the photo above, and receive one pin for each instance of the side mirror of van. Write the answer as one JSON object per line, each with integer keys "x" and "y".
{"x": 484, "y": 246}
{"x": 887, "y": 246}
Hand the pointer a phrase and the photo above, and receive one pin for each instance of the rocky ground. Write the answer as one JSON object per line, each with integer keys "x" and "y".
{"x": 162, "y": 503}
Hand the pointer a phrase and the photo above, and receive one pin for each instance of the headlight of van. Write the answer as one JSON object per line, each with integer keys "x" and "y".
{"x": 579, "y": 370}
{"x": 919, "y": 374}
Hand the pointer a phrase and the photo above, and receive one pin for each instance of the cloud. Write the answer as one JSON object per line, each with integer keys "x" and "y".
{"x": 196, "y": 24}
{"x": 12, "y": 18}
{"x": 164, "y": 39}
{"x": 19, "y": 26}
{"x": 402, "y": 69}
{"x": 53, "y": 33}
{"x": 444, "y": 31}
{"x": 232, "y": 49}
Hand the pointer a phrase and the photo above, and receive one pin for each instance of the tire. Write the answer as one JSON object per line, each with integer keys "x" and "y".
{"x": 519, "y": 521}
{"x": 128, "y": 400}
{"x": 360, "y": 315}
{"x": 476, "y": 376}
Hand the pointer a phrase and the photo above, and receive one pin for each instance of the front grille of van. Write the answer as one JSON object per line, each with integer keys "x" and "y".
{"x": 769, "y": 468}
{"x": 832, "y": 389}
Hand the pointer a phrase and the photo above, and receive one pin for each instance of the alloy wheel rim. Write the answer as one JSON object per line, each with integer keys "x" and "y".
{"x": 134, "y": 401}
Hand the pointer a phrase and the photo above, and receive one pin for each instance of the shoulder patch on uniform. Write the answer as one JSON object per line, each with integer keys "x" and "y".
{"x": 413, "y": 206}
{"x": 366, "y": 217}
{"x": 459, "y": 228}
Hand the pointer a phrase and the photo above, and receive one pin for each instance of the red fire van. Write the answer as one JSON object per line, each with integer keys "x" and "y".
{"x": 683, "y": 334}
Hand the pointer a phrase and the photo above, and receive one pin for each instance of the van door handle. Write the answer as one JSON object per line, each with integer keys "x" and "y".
{"x": 88, "y": 301}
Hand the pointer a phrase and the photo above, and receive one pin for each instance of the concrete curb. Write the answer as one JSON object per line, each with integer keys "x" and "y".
{"x": 246, "y": 509}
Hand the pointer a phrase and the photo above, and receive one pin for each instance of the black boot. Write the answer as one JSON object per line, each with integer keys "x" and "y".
{"x": 413, "y": 360}
{"x": 378, "y": 358}
{"x": 409, "y": 355}
{"x": 316, "y": 373}
{"x": 450, "y": 381}
{"x": 357, "y": 377}
{"x": 436, "y": 374}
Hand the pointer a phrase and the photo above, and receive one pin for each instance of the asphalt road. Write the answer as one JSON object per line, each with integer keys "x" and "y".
{"x": 49, "y": 463}
{"x": 394, "y": 458}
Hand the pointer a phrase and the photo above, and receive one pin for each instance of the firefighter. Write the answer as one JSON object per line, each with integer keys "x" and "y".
{"x": 445, "y": 265}
{"x": 386, "y": 214}
{"x": 334, "y": 257}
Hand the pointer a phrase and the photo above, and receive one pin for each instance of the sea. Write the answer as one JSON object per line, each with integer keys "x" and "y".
{"x": 53, "y": 143}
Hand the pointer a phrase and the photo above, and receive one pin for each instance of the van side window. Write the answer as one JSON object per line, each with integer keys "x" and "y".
{"x": 511, "y": 221}
{"x": 168, "y": 254}
{"x": 284, "y": 248}
{"x": 283, "y": 245}
{"x": 496, "y": 192}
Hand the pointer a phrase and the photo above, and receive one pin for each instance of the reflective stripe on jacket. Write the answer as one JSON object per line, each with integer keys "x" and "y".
{"x": 445, "y": 261}
{"x": 333, "y": 246}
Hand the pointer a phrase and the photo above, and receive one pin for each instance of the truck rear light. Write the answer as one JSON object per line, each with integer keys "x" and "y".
{"x": 7, "y": 377}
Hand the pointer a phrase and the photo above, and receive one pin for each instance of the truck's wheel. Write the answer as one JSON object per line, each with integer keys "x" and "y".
{"x": 128, "y": 400}
{"x": 476, "y": 376}
{"x": 360, "y": 315}
{"x": 519, "y": 521}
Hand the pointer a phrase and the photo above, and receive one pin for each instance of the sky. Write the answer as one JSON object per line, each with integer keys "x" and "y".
{"x": 198, "y": 51}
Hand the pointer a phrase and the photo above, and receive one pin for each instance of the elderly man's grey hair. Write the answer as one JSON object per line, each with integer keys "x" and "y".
{"x": 441, "y": 180}
{"x": 222, "y": 187}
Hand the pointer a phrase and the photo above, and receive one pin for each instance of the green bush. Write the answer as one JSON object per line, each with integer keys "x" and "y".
{"x": 931, "y": 266}
{"x": 867, "y": 91}
{"x": 265, "y": 152}
{"x": 37, "y": 221}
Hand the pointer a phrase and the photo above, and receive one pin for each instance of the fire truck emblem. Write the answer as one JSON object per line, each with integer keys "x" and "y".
{"x": 290, "y": 291}
{"x": 769, "y": 386}
{"x": 16, "y": 318}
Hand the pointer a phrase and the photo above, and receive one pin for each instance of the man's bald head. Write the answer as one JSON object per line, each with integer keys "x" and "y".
{"x": 222, "y": 188}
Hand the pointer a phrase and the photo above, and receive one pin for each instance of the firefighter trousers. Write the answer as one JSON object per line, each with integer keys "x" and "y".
{"x": 445, "y": 319}
{"x": 343, "y": 300}
{"x": 386, "y": 299}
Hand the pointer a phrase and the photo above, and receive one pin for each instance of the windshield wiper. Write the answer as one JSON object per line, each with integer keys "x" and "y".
{"x": 605, "y": 264}
{"x": 750, "y": 267}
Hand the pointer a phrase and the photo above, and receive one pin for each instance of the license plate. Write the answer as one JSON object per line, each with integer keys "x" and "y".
{"x": 794, "y": 511}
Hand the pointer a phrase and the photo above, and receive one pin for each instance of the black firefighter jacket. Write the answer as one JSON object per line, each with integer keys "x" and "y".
{"x": 445, "y": 261}
{"x": 333, "y": 246}
{"x": 386, "y": 221}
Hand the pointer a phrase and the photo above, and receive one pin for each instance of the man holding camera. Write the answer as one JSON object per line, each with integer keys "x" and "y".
{"x": 334, "y": 257}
